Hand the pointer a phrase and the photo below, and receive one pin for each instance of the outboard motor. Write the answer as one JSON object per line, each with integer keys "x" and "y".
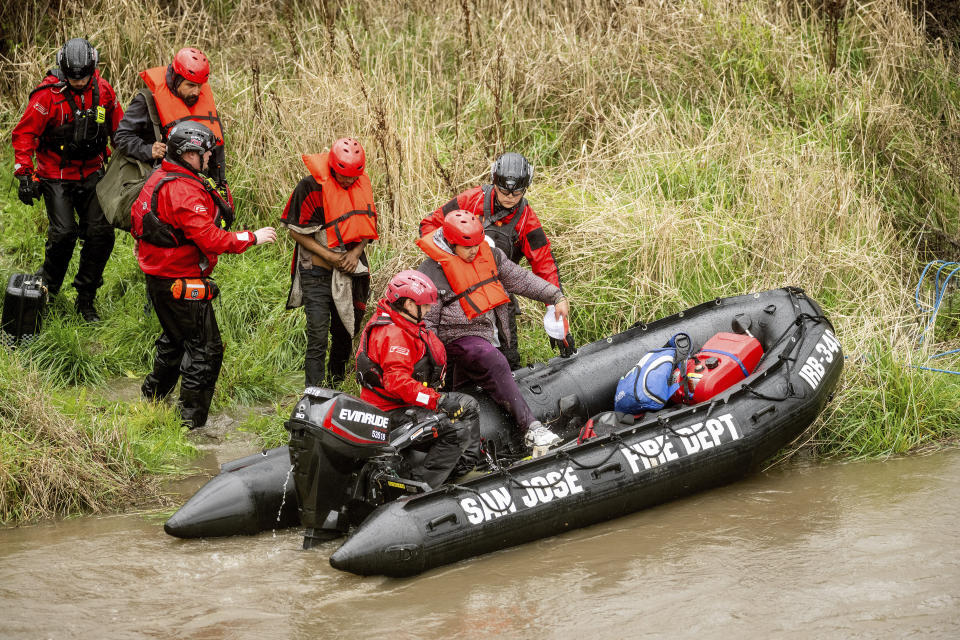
{"x": 331, "y": 436}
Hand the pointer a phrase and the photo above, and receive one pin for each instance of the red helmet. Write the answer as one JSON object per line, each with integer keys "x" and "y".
{"x": 347, "y": 157}
{"x": 411, "y": 284}
{"x": 463, "y": 228}
{"x": 192, "y": 65}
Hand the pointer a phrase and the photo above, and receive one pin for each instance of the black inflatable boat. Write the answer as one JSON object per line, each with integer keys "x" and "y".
{"x": 634, "y": 464}
{"x": 668, "y": 454}
{"x": 249, "y": 495}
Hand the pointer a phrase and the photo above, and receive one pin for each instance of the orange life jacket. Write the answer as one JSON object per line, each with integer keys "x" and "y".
{"x": 172, "y": 109}
{"x": 476, "y": 284}
{"x": 349, "y": 214}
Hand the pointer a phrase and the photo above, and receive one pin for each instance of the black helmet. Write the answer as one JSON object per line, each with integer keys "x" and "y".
{"x": 189, "y": 136}
{"x": 77, "y": 59}
{"x": 511, "y": 171}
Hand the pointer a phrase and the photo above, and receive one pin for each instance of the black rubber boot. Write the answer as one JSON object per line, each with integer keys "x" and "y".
{"x": 86, "y": 309}
{"x": 194, "y": 405}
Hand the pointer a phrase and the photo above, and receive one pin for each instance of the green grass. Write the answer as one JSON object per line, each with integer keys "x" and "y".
{"x": 68, "y": 452}
{"x": 889, "y": 407}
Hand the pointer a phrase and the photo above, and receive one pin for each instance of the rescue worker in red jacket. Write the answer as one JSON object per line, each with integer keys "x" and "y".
{"x": 180, "y": 91}
{"x": 332, "y": 218}
{"x": 474, "y": 281}
{"x": 68, "y": 121}
{"x": 400, "y": 366}
{"x": 179, "y": 236}
{"x": 514, "y": 228}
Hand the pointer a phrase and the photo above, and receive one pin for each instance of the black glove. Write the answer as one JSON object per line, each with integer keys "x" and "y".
{"x": 566, "y": 346}
{"x": 451, "y": 404}
{"x": 29, "y": 189}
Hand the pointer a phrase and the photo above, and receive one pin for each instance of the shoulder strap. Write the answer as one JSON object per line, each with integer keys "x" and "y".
{"x": 508, "y": 228}
{"x": 156, "y": 191}
{"x": 172, "y": 175}
{"x": 49, "y": 85}
{"x": 372, "y": 374}
{"x": 684, "y": 347}
{"x": 152, "y": 111}
{"x": 177, "y": 232}
{"x": 94, "y": 97}
{"x": 465, "y": 294}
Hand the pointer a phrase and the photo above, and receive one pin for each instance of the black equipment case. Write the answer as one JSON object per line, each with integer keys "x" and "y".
{"x": 23, "y": 305}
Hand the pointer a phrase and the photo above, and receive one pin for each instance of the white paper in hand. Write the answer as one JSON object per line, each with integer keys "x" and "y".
{"x": 556, "y": 329}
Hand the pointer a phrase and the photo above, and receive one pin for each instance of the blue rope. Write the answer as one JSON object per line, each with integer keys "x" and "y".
{"x": 939, "y": 290}
{"x": 945, "y": 353}
{"x": 937, "y": 370}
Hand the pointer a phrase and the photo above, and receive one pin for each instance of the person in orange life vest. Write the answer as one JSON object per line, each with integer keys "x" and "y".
{"x": 175, "y": 223}
{"x": 474, "y": 279}
{"x": 514, "y": 228}
{"x": 69, "y": 118}
{"x": 400, "y": 366}
{"x": 181, "y": 91}
{"x": 332, "y": 218}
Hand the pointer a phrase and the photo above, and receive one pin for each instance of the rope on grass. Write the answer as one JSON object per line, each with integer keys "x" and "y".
{"x": 944, "y": 272}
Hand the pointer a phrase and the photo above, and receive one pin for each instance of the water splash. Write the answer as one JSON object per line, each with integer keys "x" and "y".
{"x": 283, "y": 501}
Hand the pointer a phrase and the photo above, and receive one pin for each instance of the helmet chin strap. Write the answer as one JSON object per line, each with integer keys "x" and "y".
{"x": 402, "y": 309}
{"x": 186, "y": 165}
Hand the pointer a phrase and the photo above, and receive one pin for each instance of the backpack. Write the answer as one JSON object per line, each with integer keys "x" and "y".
{"x": 125, "y": 177}
{"x": 650, "y": 383}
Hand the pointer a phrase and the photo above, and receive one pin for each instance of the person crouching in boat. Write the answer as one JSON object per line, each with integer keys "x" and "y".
{"x": 474, "y": 281}
{"x": 400, "y": 366}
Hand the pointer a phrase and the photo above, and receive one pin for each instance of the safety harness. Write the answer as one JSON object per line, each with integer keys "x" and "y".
{"x": 165, "y": 235}
{"x": 86, "y": 136}
{"x": 427, "y": 369}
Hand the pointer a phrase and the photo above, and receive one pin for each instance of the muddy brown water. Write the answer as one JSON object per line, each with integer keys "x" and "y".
{"x": 858, "y": 550}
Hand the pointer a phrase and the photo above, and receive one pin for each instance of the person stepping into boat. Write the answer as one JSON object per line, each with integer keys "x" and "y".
{"x": 514, "y": 228}
{"x": 400, "y": 366}
{"x": 332, "y": 218}
{"x": 67, "y": 123}
{"x": 474, "y": 280}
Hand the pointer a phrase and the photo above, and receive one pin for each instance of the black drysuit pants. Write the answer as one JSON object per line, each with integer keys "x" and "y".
{"x": 64, "y": 200}
{"x": 456, "y": 445}
{"x": 189, "y": 348}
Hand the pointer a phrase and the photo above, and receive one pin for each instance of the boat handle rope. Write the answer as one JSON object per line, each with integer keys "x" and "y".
{"x": 788, "y": 359}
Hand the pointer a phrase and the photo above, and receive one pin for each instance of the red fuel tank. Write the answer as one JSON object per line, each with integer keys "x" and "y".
{"x": 724, "y": 360}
